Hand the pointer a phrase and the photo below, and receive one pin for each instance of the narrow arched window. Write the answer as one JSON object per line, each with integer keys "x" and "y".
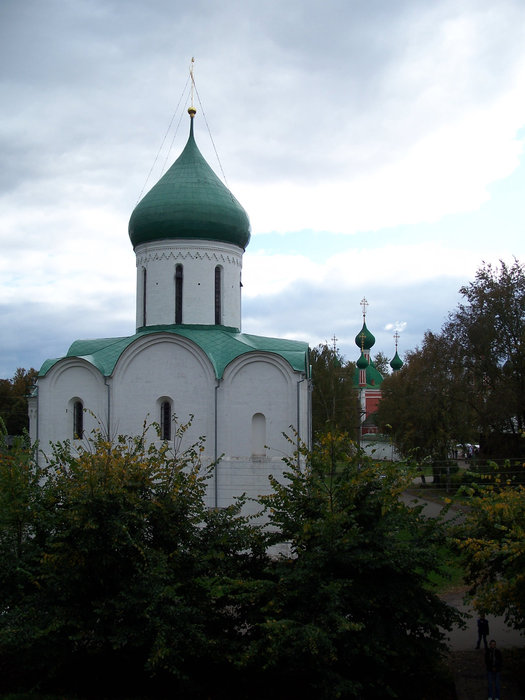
{"x": 258, "y": 435}
{"x": 78, "y": 420}
{"x": 218, "y": 296}
{"x": 165, "y": 420}
{"x": 178, "y": 294}
{"x": 144, "y": 285}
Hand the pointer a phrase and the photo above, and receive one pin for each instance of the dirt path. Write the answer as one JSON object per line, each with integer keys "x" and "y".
{"x": 466, "y": 663}
{"x": 465, "y": 639}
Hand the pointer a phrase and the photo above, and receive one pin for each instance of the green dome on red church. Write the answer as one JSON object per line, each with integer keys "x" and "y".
{"x": 396, "y": 362}
{"x": 362, "y": 362}
{"x": 189, "y": 202}
{"x": 364, "y": 339}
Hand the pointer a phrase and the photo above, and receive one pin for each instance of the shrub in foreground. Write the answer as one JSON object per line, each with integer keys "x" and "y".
{"x": 115, "y": 576}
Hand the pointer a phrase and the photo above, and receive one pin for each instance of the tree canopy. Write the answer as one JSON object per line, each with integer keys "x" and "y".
{"x": 466, "y": 384}
{"x": 113, "y": 571}
{"x": 13, "y": 400}
{"x": 382, "y": 363}
{"x": 423, "y": 403}
{"x": 334, "y": 399}
{"x": 486, "y": 335}
{"x": 492, "y": 542}
{"x": 351, "y": 610}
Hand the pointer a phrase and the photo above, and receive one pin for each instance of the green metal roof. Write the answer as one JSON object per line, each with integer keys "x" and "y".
{"x": 221, "y": 344}
{"x": 189, "y": 202}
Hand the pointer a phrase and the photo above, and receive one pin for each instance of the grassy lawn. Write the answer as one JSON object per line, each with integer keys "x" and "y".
{"x": 452, "y": 576}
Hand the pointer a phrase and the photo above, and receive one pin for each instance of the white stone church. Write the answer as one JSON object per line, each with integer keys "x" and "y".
{"x": 188, "y": 356}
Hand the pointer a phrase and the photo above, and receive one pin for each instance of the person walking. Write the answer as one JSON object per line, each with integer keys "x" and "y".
{"x": 493, "y": 663}
{"x": 483, "y": 630}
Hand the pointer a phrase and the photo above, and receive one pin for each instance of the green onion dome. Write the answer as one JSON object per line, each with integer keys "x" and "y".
{"x": 190, "y": 202}
{"x": 364, "y": 339}
{"x": 362, "y": 362}
{"x": 396, "y": 362}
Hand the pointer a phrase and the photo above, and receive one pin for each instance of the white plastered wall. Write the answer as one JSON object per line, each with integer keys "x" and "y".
{"x": 199, "y": 260}
{"x": 253, "y": 385}
{"x": 164, "y": 366}
{"x": 157, "y": 367}
{"x": 69, "y": 380}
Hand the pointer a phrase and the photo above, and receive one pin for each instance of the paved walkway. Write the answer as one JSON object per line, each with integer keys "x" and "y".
{"x": 430, "y": 508}
{"x": 469, "y": 663}
{"x": 465, "y": 639}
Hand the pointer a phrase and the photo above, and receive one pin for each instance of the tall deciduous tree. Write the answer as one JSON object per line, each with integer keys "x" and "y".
{"x": 334, "y": 398}
{"x": 467, "y": 383}
{"x": 350, "y": 614}
{"x": 20, "y": 509}
{"x": 486, "y": 334}
{"x": 113, "y": 569}
{"x": 492, "y": 541}
{"x": 13, "y": 400}
{"x": 423, "y": 403}
{"x": 382, "y": 363}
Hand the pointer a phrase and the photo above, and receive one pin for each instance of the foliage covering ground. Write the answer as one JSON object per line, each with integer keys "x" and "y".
{"x": 114, "y": 573}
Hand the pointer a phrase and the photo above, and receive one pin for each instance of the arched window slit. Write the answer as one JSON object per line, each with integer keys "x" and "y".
{"x": 165, "y": 420}
{"x": 78, "y": 420}
{"x": 178, "y": 293}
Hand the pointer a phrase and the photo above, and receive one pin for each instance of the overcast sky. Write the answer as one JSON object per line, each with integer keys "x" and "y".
{"x": 377, "y": 147}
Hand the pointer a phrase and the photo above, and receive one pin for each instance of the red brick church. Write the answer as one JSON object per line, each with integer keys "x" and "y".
{"x": 368, "y": 378}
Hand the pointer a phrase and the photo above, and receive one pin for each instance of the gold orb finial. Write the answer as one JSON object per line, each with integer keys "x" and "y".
{"x": 192, "y": 111}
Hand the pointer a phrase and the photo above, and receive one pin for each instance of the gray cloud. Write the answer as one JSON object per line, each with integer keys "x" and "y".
{"x": 307, "y": 85}
{"x": 296, "y": 93}
{"x": 33, "y": 332}
{"x": 317, "y": 314}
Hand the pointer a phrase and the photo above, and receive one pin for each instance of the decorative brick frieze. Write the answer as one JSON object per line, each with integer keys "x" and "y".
{"x": 178, "y": 253}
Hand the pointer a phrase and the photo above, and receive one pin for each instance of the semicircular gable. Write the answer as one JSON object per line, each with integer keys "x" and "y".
{"x": 144, "y": 344}
{"x": 163, "y": 365}
{"x": 268, "y": 359}
{"x": 72, "y": 364}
